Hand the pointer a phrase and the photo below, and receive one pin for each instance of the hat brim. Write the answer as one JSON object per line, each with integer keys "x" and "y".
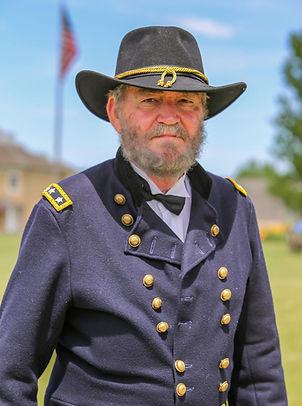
{"x": 93, "y": 88}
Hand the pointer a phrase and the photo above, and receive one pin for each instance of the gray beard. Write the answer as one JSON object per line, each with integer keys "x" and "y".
{"x": 170, "y": 163}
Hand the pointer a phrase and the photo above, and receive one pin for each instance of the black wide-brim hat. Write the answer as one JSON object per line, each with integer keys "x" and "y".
{"x": 158, "y": 58}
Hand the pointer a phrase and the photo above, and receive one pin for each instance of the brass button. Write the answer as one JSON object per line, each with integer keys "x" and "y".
{"x": 156, "y": 303}
{"x": 119, "y": 199}
{"x": 222, "y": 273}
{"x": 134, "y": 240}
{"x": 180, "y": 366}
{"x": 225, "y": 319}
{"x": 215, "y": 230}
{"x": 225, "y": 295}
{"x": 181, "y": 389}
{"x": 127, "y": 220}
{"x": 148, "y": 280}
{"x": 223, "y": 387}
{"x": 162, "y": 327}
{"x": 224, "y": 363}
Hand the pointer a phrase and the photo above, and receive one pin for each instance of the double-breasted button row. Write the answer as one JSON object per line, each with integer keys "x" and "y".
{"x": 134, "y": 240}
{"x": 226, "y": 295}
{"x": 223, "y": 386}
{"x": 180, "y": 366}
{"x": 215, "y": 230}
{"x": 225, "y": 319}
{"x": 127, "y": 220}
{"x": 224, "y": 363}
{"x": 222, "y": 273}
{"x": 156, "y": 303}
{"x": 181, "y": 389}
{"x": 148, "y": 282}
{"x": 162, "y": 327}
{"x": 119, "y": 199}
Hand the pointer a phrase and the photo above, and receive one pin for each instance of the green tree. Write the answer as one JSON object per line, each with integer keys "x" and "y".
{"x": 255, "y": 169}
{"x": 287, "y": 183}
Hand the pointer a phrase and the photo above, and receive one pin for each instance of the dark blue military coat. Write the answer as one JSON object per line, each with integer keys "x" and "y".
{"x": 136, "y": 316}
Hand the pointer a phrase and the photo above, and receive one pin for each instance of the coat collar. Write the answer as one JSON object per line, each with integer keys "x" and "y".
{"x": 157, "y": 240}
{"x": 199, "y": 178}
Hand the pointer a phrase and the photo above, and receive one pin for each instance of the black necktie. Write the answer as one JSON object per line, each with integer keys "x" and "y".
{"x": 174, "y": 204}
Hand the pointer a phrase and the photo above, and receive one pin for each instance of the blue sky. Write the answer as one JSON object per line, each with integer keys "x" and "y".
{"x": 239, "y": 41}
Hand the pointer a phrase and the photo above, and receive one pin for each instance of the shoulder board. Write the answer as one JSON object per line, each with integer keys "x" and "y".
{"x": 57, "y": 197}
{"x": 238, "y": 187}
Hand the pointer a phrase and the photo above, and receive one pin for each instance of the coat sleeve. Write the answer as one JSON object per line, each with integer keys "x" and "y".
{"x": 257, "y": 378}
{"x": 33, "y": 308}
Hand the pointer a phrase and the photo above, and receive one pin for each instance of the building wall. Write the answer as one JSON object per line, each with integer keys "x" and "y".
{"x": 34, "y": 184}
{"x": 11, "y": 187}
{"x": 20, "y": 190}
{"x": 2, "y": 218}
{"x": 269, "y": 209}
{"x": 2, "y": 183}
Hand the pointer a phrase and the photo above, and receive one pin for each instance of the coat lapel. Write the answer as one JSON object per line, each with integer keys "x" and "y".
{"x": 157, "y": 240}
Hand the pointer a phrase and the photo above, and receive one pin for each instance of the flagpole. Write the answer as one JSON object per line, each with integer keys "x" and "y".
{"x": 58, "y": 113}
{"x": 67, "y": 53}
{"x": 58, "y": 125}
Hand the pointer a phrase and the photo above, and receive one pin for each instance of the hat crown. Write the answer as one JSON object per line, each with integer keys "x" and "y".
{"x": 153, "y": 46}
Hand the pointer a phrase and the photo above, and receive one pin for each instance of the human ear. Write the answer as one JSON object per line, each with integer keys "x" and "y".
{"x": 112, "y": 113}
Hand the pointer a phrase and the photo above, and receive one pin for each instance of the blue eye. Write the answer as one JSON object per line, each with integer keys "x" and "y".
{"x": 150, "y": 100}
{"x": 186, "y": 101}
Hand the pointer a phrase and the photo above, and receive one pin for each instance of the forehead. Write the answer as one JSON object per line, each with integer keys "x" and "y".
{"x": 139, "y": 91}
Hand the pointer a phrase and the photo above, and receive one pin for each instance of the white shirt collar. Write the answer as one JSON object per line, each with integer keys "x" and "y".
{"x": 181, "y": 187}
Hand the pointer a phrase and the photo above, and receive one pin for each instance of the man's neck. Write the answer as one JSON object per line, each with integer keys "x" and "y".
{"x": 163, "y": 184}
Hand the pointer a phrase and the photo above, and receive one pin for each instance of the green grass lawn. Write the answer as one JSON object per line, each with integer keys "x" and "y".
{"x": 285, "y": 270}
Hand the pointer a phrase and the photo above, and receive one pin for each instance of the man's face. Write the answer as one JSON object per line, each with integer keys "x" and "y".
{"x": 161, "y": 131}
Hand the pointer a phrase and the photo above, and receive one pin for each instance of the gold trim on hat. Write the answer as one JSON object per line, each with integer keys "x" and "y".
{"x": 164, "y": 70}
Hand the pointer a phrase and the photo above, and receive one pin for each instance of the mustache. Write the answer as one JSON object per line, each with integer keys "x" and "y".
{"x": 163, "y": 129}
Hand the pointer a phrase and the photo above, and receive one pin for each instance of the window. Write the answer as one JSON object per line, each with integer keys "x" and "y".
{"x": 13, "y": 181}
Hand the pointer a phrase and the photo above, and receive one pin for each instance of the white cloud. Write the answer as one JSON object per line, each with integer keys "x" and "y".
{"x": 207, "y": 27}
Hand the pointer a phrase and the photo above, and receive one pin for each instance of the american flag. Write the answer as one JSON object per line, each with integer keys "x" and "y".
{"x": 68, "y": 44}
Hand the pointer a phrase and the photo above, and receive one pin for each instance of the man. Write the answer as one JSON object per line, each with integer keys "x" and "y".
{"x": 145, "y": 272}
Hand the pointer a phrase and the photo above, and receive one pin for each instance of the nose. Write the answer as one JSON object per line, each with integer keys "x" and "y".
{"x": 168, "y": 114}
